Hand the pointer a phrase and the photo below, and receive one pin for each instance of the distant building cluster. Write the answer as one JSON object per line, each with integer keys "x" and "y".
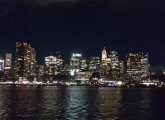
{"x": 107, "y": 64}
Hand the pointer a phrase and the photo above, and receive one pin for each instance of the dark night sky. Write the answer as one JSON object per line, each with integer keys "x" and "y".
{"x": 85, "y": 25}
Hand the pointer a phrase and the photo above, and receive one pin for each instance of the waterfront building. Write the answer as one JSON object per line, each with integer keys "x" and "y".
{"x": 137, "y": 66}
{"x": 8, "y": 69}
{"x": 1, "y": 69}
{"x": 25, "y": 60}
{"x": 83, "y": 76}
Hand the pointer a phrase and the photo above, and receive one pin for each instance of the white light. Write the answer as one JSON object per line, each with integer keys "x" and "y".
{"x": 72, "y": 72}
{"x": 119, "y": 83}
{"x": 2, "y": 61}
{"x": 76, "y": 55}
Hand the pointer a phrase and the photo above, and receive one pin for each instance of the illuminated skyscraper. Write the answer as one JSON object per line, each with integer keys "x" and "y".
{"x": 59, "y": 61}
{"x": 75, "y": 63}
{"x": 113, "y": 63}
{"x": 112, "y": 60}
{"x": 25, "y": 60}
{"x": 104, "y": 57}
{"x": 115, "y": 66}
{"x": 137, "y": 66}
{"x": 122, "y": 68}
{"x": 94, "y": 64}
{"x": 1, "y": 64}
{"x": 8, "y": 72}
{"x": 8, "y": 61}
{"x": 104, "y": 66}
{"x": 83, "y": 64}
{"x": 50, "y": 67}
{"x": 53, "y": 64}
{"x": 40, "y": 70}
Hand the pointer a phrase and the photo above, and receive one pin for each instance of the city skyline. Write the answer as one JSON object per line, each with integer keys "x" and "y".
{"x": 84, "y": 26}
{"x": 82, "y": 59}
{"x": 66, "y": 59}
{"x": 105, "y": 70}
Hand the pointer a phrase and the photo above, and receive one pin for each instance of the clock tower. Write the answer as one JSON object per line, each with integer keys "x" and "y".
{"x": 104, "y": 66}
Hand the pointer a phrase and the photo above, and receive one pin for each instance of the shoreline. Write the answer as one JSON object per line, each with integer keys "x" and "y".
{"x": 79, "y": 85}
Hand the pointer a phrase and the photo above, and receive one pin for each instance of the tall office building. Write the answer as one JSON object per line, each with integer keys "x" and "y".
{"x": 112, "y": 60}
{"x": 104, "y": 67}
{"x": 8, "y": 61}
{"x": 114, "y": 65}
{"x": 8, "y": 70}
{"x": 59, "y": 61}
{"x": 145, "y": 65}
{"x": 137, "y": 65}
{"x": 50, "y": 67}
{"x": 83, "y": 64}
{"x": 40, "y": 70}
{"x": 104, "y": 57}
{"x": 94, "y": 64}
{"x": 122, "y": 68}
{"x": 53, "y": 64}
{"x": 1, "y": 64}
{"x": 25, "y": 60}
{"x": 75, "y": 63}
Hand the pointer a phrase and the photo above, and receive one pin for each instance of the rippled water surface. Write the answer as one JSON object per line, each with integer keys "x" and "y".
{"x": 83, "y": 103}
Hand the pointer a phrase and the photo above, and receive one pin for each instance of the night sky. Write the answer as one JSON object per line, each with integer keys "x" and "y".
{"x": 85, "y": 26}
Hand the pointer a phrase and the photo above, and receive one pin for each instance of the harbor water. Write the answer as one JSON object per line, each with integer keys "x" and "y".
{"x": 81, "y": 102}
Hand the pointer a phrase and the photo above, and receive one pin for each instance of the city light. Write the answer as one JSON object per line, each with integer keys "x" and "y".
{"x": 107, "y": 70}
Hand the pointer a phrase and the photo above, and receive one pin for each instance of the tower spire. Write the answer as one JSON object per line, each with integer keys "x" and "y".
{"x": 104, "y": 56}
{"x": 104, "y": 61}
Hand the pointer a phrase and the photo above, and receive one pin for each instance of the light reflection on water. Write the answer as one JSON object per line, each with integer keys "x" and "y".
{"x": 84, "y": 103}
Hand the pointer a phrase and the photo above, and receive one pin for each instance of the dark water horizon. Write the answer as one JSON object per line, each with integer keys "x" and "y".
{"x": 81, "y": 102}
